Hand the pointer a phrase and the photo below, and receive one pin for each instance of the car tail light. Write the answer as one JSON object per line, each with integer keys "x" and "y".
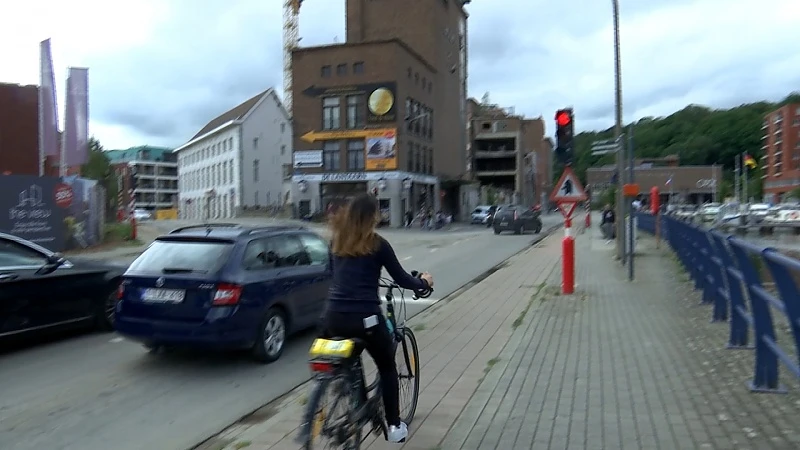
{"x": 515, "y": 215}
{"x": 120, "y": 291}
{"x": 227, "y": 294}
{"x": 320, "y": 366}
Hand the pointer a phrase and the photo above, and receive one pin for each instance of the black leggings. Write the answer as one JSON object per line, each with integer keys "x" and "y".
{"x": 380, "y": 346}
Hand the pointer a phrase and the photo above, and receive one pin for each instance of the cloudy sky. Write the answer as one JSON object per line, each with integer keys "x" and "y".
{"x": 160, "y": 69}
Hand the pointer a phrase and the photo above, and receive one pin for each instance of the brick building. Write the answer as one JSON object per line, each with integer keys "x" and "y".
{"x": 510, "y": 152}
{"x": 781, "y": 145}
{"x": 19, "y": 129}
{"x": 686, "y": 184}
{"x": 385, "y": 111}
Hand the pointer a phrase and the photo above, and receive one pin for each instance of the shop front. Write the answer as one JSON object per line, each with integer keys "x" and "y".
{"x": 396, "y": 191}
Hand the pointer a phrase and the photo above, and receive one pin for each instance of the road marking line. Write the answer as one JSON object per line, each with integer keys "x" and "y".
{"x": 116, "y": 340}
{"x": 406, "y": 258}
{"x": 434, "y": 249}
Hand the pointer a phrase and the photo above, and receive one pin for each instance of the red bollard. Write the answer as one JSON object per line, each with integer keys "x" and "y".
{"x": 568, "y": 260}
{"x": 588, "y": 219}
{"x": 133, "y": 228}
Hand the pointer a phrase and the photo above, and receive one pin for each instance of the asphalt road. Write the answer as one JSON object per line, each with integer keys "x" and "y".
{"x": 100, "y": 391}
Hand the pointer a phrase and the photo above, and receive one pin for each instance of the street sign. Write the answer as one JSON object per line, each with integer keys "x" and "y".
{"x": 567, "y": 208}
{"x": 314, "y": 136}
{"x": 568, "y": 188}
{"x": 605, "y": 147}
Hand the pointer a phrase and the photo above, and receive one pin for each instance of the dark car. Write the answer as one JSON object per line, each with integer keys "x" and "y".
{"x": 42, "y": 291}
{"x": 226, "y": 287}
{"x": 517, "y": 219}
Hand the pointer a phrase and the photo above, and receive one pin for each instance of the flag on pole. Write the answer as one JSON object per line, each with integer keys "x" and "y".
{"x": 76, "y": 119}
{"x": 48, "y": 111}
{"x": 750, "y": 162}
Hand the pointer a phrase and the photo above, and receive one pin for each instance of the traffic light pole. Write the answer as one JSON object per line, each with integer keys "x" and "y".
{"x": 620, "y": 199}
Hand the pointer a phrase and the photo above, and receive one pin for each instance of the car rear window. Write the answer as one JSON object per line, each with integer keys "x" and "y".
{"x": 195, "y": 256}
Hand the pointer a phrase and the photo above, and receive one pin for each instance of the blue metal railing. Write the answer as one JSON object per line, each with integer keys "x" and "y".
{"x": 732, "y": 274}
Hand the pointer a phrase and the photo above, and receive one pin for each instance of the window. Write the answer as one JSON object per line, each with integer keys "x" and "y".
{"x": 416, "y": 117}
{"x": 341, "y": 70}
{"x": 430, "y": 124}
{"x": 256, "y": 200}
{"x": 290, "y": 252}
{"x": 417, "y": 159}
{"x": 409, "y": 110}
{"x": 355, "y": 111}
{"x": 13, "y": 254}
{"x": 283, "y": 128}
{"x": 416, "y": 78}
{"x": 410, "y": 72}
{"x": 424, "y": 83}
{"x": 283, "y": 150}
{"x": 410, "y": 156}
{"x": 255, "y": 143}
{"x": 355, "y": 155}
{"x": 259, "y": 254}
{"x": 330, "y": 155}
{"x": 358, "y": 67}
{"x": 255, "y": 171}
{"x": 330, "y": 113}
{"x": 231, "y": 169}
{"x": 197, "y": 256}
{"x": 325, "y": 72}
{"x": 317, "y": 249}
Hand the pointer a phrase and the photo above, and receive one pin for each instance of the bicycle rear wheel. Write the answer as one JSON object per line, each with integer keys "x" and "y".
{"x": 324, "y": 428}
{"x": 407, "y": 361}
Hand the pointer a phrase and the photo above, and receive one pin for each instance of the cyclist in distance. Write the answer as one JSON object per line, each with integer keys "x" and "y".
{"x": 354, "y": 306}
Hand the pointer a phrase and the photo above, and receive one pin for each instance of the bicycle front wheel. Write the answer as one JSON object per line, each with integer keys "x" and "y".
{"x": 407, "y": 361}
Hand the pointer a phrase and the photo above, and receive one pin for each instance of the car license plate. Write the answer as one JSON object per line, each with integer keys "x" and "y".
{"x": 504, "y": 223}
{"x": 163, "y": 295}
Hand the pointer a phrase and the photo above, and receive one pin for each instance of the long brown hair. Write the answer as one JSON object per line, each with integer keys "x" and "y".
{"x": 353, "y": 227}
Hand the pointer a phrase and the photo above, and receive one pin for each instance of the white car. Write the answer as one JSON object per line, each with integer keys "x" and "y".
{"x": 480, "y": 214}
{"x": 142, "y": 215}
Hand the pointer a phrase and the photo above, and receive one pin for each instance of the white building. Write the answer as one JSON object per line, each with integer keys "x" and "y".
{"x": 239, "y": 160}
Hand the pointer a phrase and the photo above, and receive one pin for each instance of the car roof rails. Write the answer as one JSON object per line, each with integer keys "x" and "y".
{"x": 207, "y": 226}
{"x": 271, "y": 228}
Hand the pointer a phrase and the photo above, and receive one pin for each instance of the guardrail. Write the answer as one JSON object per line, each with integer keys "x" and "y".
{"x": 744, "y": 283}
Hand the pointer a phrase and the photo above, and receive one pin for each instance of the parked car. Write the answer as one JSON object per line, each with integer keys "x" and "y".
{"x": 516, "y": 218}
{"x": 142, "y": 214}
{"x": 42, "y": 291}
{"x": 480, "y": 214}
{"x": 226, "y": 286}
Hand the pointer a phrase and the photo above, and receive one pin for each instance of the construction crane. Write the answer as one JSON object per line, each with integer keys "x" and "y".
{"x": 291, "y": 40}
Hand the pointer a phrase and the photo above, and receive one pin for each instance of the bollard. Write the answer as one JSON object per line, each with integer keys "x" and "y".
{"x": 133, "y": 228}
{"x": 588, "y": 219}
{"x": 568, "y": 260}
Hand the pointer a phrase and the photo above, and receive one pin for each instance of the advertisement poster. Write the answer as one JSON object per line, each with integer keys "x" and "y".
{"x": 49, "y": 211}
{"x": 382, "y": 151}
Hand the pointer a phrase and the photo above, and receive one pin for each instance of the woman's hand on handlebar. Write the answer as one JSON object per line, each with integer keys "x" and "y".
{"x": 428, "y": 278}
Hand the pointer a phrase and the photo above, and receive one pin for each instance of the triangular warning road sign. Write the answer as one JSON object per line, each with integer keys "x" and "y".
{"x": 567, "y": 208}
{"x": 568, "y": 188}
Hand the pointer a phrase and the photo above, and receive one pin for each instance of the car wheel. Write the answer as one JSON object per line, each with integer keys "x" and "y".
{"x": 520, "y": 229}
{"x": 104, "y": 317}
{"x": 496, "y": 231}
{"x": 153, "y": 347}
{"x": 271, "y": 337}
{"x": 538, "y": 229}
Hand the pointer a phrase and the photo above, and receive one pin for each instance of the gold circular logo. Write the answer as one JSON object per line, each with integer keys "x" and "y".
{"x": 381, "y": 101}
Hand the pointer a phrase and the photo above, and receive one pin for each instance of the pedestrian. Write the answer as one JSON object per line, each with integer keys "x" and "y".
{"x": 607, "y": 221}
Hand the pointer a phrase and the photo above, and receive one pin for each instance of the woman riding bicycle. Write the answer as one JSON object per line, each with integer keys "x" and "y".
{"x": 354, "y": 308}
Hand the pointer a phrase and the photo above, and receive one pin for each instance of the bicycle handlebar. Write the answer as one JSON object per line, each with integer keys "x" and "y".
{"x": 418, "y": 294}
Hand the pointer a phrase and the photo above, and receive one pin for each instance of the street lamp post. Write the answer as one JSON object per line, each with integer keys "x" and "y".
{"x": 620, "y": 222}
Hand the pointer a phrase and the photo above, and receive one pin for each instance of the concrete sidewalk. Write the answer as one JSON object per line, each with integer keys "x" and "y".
{"x": 511, "y": 364}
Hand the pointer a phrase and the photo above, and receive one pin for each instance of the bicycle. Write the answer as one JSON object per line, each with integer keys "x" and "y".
{"x": 336, "y": 364}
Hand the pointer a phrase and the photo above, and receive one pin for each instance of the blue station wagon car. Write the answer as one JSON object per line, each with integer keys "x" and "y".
{"x": 225, "y": 286}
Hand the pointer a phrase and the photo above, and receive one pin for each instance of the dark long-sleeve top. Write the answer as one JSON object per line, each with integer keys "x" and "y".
{"x": 355, "y": 280}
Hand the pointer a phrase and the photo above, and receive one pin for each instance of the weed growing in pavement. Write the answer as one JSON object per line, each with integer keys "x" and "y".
{"x": 518, "y": 321}
{"x": 303, "y": 399}
{"x": 490, "y": 363}
{"x": 241, "y": 445}
{"x": 419, "y": 327}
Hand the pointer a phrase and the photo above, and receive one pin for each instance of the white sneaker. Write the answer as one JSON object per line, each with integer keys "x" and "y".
{"x": 397, "y": 434}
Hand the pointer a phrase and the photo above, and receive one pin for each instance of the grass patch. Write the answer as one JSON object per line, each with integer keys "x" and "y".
{"x": 518, "y": 321}
{"x": 241, "y": 444}
{"x": 419, "y": 327}
{"x": 490, "y": 363}
{"x": 303, "y": 399}
{"x": 117, "y": 232}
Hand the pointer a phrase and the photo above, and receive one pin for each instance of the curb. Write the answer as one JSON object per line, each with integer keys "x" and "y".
{"x": 447, "y": 298}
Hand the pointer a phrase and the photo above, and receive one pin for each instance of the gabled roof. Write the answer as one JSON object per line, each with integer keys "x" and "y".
{"x": 236, "y": 113}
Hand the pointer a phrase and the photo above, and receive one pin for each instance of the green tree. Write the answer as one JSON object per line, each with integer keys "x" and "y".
{"x": 98, "y": 167}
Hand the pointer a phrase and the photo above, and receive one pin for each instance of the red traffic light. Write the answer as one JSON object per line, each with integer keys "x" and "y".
{"x": 563, "y": 119}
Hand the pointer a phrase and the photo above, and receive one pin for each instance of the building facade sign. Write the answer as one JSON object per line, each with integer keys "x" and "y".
{"x": 304, "y": 159}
